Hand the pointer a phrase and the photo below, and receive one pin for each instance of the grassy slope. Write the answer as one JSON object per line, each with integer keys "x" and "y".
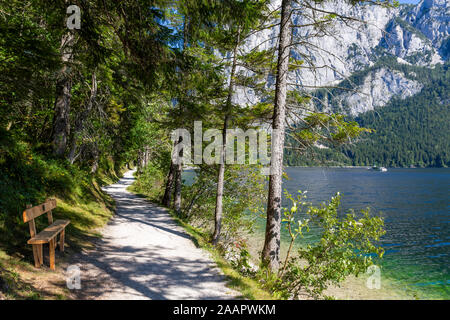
{"x": 88, "y": 208}
{"x": 19, "y": 280}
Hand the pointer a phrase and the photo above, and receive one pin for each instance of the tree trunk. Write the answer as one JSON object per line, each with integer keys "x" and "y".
{"x": 146, "y": 156}
{"x": 79, "y": 123}
{"x": 61, "y": 120}
{"x": 141, "y": 161}
{"x": 221, "y": 175}
{"x": 220, "y": 186}
{"x": 178, "y": 185}
{"x": 138, "y": 166}
{"x": 169, "y": 185}
{"x": 179, "y": 167}
{"x": 271, "y": 250}
{"x": 96, "y": 157}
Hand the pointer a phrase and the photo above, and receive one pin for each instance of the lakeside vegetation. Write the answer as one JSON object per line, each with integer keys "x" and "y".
{"x": 243, "y": 201}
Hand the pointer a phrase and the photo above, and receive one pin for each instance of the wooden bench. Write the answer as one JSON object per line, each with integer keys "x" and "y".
{"x": 48, "y": 235}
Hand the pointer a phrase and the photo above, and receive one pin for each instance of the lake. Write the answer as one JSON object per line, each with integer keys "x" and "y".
{"x": 415, "y": 205}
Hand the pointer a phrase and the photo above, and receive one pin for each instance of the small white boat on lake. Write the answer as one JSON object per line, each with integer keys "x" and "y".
{"x": 381, "y": 169}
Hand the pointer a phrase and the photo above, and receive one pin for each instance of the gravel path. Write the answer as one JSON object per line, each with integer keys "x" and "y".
{"x": 144, "y": 254}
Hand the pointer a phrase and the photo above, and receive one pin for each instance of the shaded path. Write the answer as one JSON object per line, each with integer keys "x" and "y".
{"x": 144, "y": 254}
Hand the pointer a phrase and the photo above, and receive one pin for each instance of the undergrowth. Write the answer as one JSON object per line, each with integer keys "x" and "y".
{"x": 29, "y": 177}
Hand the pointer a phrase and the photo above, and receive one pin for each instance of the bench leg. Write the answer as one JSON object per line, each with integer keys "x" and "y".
{"x": 52, "y": 253}
{"x": 61, "y": 241}
{"x": 37, "y": 263}
{"x": 41, "y": 254}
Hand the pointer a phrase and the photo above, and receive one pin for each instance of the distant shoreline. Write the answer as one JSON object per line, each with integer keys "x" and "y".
{"x": 334, "y": 167}
{"x": 337, "y": 167}
{"x": 363, "y": 167}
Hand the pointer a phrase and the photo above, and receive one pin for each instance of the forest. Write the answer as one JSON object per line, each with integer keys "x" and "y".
{"x": 406, "y": 133}
{"x": 89, "y": 89}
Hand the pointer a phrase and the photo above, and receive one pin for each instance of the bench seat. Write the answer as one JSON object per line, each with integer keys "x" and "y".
{"x": 50, "y": 232}
{"x": 48, "y": 235}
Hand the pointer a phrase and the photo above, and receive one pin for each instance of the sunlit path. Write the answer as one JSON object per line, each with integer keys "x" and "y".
{"x": 144, "y": 254}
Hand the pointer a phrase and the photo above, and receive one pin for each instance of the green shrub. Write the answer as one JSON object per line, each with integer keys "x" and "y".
{"x": 244, "y": 195}
{"x": 150, "y": 182}
{"x": 346, "y": 246}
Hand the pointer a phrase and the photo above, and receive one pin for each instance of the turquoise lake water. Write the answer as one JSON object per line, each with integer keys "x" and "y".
{"x": 415, "y": 204}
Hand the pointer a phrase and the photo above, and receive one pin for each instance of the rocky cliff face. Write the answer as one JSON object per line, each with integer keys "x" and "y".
{"x": 378, "y": 88}
{"x": 412, "y": 34}
{"x": 432, "y": 18}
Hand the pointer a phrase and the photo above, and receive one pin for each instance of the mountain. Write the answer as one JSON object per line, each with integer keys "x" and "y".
{"x": 398, "y": 56}
{"x": 414, "y": 131}
{"x": 416, "y": 35}
{"x": 409, "y": 131}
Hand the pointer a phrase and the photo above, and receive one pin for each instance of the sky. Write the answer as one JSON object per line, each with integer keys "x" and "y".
{"x": 409, "y": 1}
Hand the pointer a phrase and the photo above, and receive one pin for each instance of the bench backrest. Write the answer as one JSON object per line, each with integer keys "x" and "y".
{"x": 32, "y": 213}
